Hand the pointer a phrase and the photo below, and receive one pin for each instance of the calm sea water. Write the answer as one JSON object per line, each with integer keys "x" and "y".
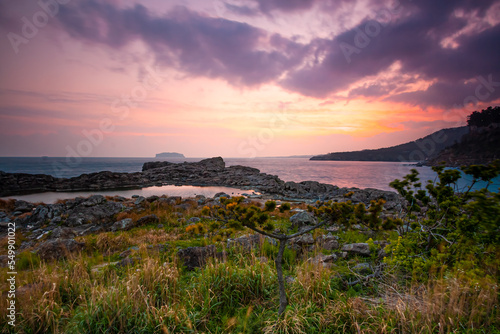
{"x": 359, "y": 174}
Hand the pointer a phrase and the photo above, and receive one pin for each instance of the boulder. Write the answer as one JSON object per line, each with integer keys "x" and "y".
{"x": 122, "y": 225}
{"x": 100, "y": 213}
{"x": 139, "y": 200}
{"x": 58, "y": 248}
{"x": 357, "y": 249}
{"x": 23, "y": 206}
{"x": 304, "y": 239}
{"x": 149, "y": 219}
{"x": 302, "y": 218}
{"x": 152, "y": 198}
{"x": 195, "y": 257}
{"x": 63, "y": 233}
{"x": 246, "y": 242}
{"x": 363, "y": 268}
{"x": 323, "y": 260}
{"x": 94, "y": 200}
{"x": 329, "y": 242}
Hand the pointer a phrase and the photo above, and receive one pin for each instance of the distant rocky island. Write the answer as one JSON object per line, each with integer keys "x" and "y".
{"x": 170, "y": 155}
{"x": 420, "y": 150}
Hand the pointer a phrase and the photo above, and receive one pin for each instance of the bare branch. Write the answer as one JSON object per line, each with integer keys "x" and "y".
{"x": 307, "y": 230}
{"x": 271, "y": 235}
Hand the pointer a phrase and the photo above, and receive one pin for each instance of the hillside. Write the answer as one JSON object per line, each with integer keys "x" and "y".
{"x": 418, "y": 150}
{"x": 480, "y": 146}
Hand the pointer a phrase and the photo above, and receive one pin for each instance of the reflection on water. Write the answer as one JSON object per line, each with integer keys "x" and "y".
{"x": 359, "y": 174}
{"x": 184, "y": 191}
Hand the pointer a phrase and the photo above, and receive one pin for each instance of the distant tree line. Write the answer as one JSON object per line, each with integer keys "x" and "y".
{"x": 484, "y": 117}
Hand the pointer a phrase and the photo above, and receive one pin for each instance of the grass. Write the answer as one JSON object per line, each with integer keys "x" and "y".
{"x": 239, "y": 295}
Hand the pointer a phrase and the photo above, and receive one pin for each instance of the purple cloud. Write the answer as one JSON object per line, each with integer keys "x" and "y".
{"x": 244, "y": 55}
{"x": 197, "y": 45}
{"x": 414, "y": 40}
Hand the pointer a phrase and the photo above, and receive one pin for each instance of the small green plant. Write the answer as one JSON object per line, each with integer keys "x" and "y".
{"x": 284, "y": 207}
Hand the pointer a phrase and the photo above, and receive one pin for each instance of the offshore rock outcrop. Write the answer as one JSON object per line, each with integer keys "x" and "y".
{"x": 208, "y": 172}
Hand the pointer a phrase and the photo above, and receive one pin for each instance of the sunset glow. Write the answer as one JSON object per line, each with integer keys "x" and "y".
{"x": 240, "y": 78}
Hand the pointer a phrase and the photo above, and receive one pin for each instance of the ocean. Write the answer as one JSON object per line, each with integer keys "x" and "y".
{"x": 359, "y": 174}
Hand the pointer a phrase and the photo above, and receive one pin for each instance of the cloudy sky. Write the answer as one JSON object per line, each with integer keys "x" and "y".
{"x": 240, "y": 78}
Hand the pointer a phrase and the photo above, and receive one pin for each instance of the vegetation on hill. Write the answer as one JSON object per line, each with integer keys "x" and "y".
{"x": 485, "y": 117}
{"x": 433, "y": 267}
{"x": 418, "y": 150}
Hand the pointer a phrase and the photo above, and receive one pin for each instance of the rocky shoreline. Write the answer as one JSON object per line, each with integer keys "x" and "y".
{"x": 52, "y": 228}
{"x": 208, "y": 172}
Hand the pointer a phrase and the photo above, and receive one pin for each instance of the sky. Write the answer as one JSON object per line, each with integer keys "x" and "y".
{"x": 240, "y": 78}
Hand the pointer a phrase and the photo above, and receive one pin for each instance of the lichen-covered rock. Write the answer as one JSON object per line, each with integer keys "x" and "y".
{"x": 302, "y": 218}
{"x": 360, "y": 248}
{"x": 304, "y": 239}
{"x": 123, "y": 225}
{"x": 246, "y": 242}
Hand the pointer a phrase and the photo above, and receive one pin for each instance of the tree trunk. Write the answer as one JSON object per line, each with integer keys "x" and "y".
{"x": 281, "y": 280}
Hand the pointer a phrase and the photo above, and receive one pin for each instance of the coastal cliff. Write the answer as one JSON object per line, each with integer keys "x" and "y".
{"x": 418, "y": 150}
{"x": 479, "y": 147}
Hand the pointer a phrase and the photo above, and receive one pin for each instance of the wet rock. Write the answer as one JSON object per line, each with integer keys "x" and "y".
{"x": 357, "y": 249}
{"x": 58, "y": 248}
